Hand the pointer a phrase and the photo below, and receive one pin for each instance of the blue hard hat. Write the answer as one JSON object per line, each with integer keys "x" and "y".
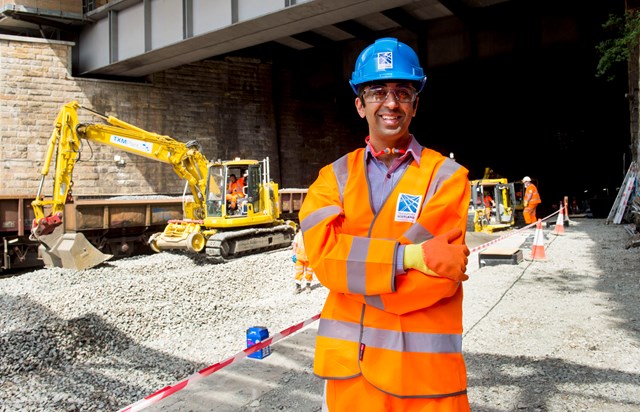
{"x": 387, "y": 59}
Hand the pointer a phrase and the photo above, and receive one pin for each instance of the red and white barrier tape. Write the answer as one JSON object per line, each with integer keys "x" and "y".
{"x": 508, "y": 235}
{"x": 170, "y": 390}
{"x": 500, "y": 239}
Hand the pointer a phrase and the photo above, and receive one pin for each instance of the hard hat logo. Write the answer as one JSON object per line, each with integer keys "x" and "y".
{"x": 387, "y": 60}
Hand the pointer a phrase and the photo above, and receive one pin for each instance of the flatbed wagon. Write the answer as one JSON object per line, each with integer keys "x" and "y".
{"x": 115, "y": 225}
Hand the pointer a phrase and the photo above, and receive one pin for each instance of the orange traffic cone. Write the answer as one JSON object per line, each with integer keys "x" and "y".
{"x": 559, "y": 229}
{"x": 537, "y": 250}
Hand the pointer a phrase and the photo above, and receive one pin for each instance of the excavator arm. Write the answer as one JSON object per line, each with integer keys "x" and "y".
{"x": 65, "y": 144}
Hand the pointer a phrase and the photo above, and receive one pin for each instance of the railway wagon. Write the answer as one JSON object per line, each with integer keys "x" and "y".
{"x": 116, "y": 225}
{"x": 290, "y": 201}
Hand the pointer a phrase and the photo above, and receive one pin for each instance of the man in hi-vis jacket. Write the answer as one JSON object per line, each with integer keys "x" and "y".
{"x": 384, "y": 229}
{"x": 530, "y": 201}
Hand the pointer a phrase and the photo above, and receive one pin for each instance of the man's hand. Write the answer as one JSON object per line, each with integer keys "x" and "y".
{"x": 439, "y": 257}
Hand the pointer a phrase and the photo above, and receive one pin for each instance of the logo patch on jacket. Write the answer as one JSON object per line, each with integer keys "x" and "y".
{"x": 407, "y": 208}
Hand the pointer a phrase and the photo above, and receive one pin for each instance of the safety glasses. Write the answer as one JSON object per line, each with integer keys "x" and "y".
{"x": 379, "y": 94}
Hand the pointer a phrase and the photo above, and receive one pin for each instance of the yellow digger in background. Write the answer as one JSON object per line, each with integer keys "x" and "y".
{"x": 209, "y": 225}
{"x": 497, "y": 214}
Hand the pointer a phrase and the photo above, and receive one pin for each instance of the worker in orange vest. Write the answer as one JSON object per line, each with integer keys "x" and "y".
{"x": 531, "y": 200}
{"x": 303, "y": 272}
{"x": 488, "y": 204}
{"x": 234, "y": 191}
{"x": 240, "y": 184}
{"x": 384, "y": 229}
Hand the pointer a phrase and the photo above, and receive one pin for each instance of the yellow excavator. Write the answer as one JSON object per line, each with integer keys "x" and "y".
{"x": 496, "y": 212}
{"x": 209, "y": 224}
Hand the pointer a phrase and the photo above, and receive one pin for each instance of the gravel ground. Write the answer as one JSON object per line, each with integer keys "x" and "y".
{"x": 561, "y": 334}
{"x": 555, "y": 335}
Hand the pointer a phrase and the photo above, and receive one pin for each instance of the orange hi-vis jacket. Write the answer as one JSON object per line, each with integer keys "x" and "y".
{"x": 235, "y": 188}
{"x": 401, "y": 332}
{"x": 531, "y": 196}
{"x": 298, "y": 247}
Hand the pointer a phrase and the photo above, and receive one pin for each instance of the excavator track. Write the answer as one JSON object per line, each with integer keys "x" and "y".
{"x": 228, "y": 245}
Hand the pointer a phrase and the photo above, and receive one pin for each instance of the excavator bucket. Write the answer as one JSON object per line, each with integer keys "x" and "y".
{"x": 69, "y": 250}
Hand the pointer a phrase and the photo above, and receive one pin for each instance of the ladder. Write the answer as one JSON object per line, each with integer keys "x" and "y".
{"x": 620, "y": 204}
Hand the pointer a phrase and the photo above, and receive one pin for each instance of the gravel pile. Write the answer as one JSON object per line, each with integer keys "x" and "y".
{"x": 555, "y": 335}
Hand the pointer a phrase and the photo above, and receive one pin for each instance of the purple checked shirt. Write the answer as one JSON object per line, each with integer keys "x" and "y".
{"x": 384, "y": 179}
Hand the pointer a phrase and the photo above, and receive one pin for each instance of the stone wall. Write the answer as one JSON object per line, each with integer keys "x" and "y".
{"x": 225, "y": 105}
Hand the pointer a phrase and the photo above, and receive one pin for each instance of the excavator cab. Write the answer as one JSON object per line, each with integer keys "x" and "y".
{"x": 500, "y": 215}
{"x": 241, "y": 180}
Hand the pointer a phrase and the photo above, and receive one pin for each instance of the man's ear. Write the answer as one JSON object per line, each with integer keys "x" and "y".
{"x": 360, "y": 107}
{"x": 415, "y": 106}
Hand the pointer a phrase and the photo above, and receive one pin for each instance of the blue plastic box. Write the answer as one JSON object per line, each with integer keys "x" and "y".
{"x": 255, "y": 335}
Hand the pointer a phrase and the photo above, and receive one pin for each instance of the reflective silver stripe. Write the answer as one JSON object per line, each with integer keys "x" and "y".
{"x": 341, "y": 171}
{"x": 365, "y": 166}
{"x": 318, "y": 216}
{"x": 448, "y": 168}
{"x": 339, "y": 330}
{"x": 419, "y": 342}
{"x": 412, "y": 341}
{"x": 357, "y": 265}
{"x": 375, "y": 301}
{"x": 417, "y": 233}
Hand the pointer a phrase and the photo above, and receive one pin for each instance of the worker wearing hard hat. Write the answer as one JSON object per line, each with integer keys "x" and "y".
{"x": 384, "y": 231}
{"x": 530, "y": 201}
